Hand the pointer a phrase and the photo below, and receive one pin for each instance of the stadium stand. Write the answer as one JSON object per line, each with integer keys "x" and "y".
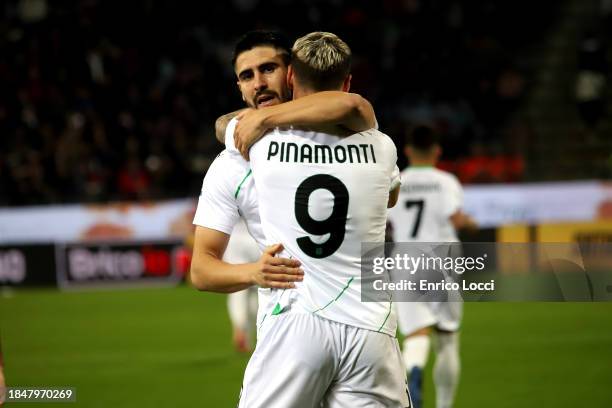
{"x": 103, "y": 101}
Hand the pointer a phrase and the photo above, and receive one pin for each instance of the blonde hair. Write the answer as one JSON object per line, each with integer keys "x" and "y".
{"x": 321, "y": 60}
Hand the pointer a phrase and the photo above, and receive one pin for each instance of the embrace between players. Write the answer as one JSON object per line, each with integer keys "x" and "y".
{"x": 309, "y": 209}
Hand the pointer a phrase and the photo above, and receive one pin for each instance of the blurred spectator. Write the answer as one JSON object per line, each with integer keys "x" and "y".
{"x": 104, "y": 101}
{"x": 32, "y": 11}
{"x": 591, "y": 79}
{"x": 134, "y": 182}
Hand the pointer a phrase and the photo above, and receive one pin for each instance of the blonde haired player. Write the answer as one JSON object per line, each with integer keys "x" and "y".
{"x": 429, "y": 210}
{"x": 322, "y": 195}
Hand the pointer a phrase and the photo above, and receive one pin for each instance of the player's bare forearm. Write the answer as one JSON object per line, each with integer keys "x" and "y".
{"x": 334, "y": 112}
{"x": 328, "y": 108}
{"x": 470, "y": 224}
{"x": 210, "y": 273}
{"x": 221, "y": 124}
{"x": 461, "y": 220}
{"x": 393, "y": 197}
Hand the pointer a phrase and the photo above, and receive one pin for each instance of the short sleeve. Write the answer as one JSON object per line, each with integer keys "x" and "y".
{"x": 217, "y": 208}
{"x": 395, "y": 179}
{"x": 453, "y": 195}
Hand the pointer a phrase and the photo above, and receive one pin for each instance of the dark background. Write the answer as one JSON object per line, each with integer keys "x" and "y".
{"x": 110, "y": 100}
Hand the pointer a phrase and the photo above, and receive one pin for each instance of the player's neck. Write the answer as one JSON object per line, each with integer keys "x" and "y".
{"x": 299, "y": 92}
{"x": 422, "y": 163}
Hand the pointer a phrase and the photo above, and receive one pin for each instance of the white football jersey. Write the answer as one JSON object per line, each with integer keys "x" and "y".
{"x": 241, "y": 248}
{"x": 322, "y": 196}
{"x": 228, "y": 194}
{"x": 428, "y": 197}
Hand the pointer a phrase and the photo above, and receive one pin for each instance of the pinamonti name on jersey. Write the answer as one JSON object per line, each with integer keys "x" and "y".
{"x": 288, "y": 152}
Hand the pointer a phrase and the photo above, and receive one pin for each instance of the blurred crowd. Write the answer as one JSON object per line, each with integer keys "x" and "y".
{"x": 117, "y": 100}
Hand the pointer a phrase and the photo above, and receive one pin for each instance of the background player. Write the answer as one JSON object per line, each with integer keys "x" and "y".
{"x": 242, "y": 305}
{"x": 322, "y": 196}
{"x": 429, "y": 210}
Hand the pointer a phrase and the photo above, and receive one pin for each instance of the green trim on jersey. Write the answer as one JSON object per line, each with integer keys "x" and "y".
{"x": 385, "y": 321}
{"x": 277, "y": 310}
{"x": 421, "y": 166}
{"x": 241, "y": 183}
{"x": 337, "y": 297}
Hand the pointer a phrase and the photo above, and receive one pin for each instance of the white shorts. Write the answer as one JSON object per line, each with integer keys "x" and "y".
{"x": 413, "y": 316}
{"x": 304, "y": 361}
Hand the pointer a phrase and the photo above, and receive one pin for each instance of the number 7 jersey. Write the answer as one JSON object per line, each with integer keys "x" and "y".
{"x": 322, "y": 196}
{"x": 428, "y": 198}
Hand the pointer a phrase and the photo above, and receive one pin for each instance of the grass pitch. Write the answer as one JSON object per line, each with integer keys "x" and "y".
{"x": 171, "y": 348}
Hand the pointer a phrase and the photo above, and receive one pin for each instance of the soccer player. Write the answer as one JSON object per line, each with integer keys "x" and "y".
{"x": 242, "y": 305}
{"x": 260, "y": 60}
{"x": 322, "y": 196}
{"x": 429, "y": 210}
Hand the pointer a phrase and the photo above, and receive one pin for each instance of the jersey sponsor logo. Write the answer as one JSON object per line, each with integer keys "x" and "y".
{"x": 288, "y": 152}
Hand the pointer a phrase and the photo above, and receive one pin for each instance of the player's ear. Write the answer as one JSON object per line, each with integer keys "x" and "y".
{"x": 290, "y": 76}
{"x": 346, "y": 86}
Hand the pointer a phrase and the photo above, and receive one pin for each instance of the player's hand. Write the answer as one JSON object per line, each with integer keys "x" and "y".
{"x": 275, "y": 272}
{"x": 249, "y": 130}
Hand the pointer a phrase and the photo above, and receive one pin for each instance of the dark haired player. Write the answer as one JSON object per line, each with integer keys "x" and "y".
{"x": 260, "y": 62}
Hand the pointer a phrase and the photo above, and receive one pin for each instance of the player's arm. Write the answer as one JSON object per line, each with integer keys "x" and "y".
{"x": 336, "y": 112}
{"x": 458, "y": 218}
{"x": 221, "y": 124}
{"x": 348, "y": 110}
{"x": 210, "y": 273}
{"x": 394, "y": 188}
{"x": 216, "y": 215}
{"x": 393, "y": 197}
{"x": 461, "y": 220}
